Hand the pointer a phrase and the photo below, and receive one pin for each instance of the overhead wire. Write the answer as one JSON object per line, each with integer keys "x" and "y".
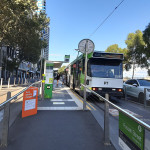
{"x": 106, "y": 18}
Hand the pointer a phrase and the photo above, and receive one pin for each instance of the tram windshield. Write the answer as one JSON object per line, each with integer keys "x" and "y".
{"x": 105, "y": 68}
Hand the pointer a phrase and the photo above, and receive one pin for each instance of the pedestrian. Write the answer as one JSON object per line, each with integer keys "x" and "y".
{"x": 58, "y": 77}
{"x": 63, "y": 79}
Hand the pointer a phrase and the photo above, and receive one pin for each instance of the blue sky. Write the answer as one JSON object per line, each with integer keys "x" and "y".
{"x": 74, "y": 20}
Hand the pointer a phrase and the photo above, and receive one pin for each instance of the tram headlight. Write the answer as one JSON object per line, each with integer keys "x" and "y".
{"x": 113, "y": 89}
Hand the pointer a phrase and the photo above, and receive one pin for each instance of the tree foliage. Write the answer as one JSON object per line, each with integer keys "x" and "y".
{"x": 21, "y": 28}
{"x": 61, "y": 69}
{"x": 135, "y": 45}
{"x": 146, "y": 37}
{"x": 116, "y": 49}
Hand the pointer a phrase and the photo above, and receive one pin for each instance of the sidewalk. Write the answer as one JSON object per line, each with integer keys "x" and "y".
{"x": 60, "y": 124}
{"x": 57, "y": 130}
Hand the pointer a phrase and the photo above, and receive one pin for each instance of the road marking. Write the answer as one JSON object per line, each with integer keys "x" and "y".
{"x": 91, "y": 106}
{"x": 87, "y": 102}
{"x": 81, "y": 101}
{"x": 59, "y": 108}
{"x": 62, "y": 100}
{"x": 58, "y": 103}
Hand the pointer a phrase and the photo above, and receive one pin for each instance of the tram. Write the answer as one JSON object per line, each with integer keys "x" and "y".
{"x": 104, "y": 73}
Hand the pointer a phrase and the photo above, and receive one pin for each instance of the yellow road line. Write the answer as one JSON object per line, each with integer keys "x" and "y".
{"x": 92, "y": 106}
{"x": 82, "y": 101}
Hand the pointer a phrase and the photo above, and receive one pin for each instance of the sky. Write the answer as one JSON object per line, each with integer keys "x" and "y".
{"x": 74, "y": 20}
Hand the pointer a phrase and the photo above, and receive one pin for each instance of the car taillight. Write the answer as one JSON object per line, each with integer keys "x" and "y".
{"x": 94, "y": 89}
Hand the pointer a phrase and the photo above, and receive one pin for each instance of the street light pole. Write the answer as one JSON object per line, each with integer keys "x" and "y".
{"x": 85, "y": 71}
{"x": 41, "y": 65}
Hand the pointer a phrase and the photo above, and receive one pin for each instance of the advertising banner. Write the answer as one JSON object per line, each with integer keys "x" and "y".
{"x": 131, "y": 134}
{"x": 30, "y": 100}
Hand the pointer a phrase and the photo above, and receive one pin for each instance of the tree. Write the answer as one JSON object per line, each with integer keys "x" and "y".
{"x": 21, "y": 28}
{"x": 61, "y": 70}
{"x": 135, "y": 45}
{"x": 146, "y": 37}
{"x": 116, "y": 49}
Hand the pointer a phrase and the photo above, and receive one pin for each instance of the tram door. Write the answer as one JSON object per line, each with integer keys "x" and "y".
{"x": 74, "y": 75}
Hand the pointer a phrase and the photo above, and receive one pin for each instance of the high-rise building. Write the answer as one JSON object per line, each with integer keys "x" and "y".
{"x": 42, "y": 8}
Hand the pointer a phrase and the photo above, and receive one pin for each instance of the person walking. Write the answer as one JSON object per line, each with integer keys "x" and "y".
{"x": 58, "y": 77}
{"x": 63, "y": 79}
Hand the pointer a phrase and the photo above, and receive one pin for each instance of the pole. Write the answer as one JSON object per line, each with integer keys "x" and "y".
{"x": 106, "y": 122}
{"x": 41, "y": 66}
{"x": 85, "y": 71}
{"x": 14, "y": 81}
{"x": 1, "y": 82}
{"x": 8, "y": 82}
{"x": 145, "y": 103}
{"x": 5, "y": 129}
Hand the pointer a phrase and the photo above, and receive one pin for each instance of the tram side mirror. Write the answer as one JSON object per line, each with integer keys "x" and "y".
{"x": 135, "y": 84}
{"x": 87, "y": 82}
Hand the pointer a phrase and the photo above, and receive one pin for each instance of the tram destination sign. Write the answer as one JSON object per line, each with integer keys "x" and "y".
{"x": 131, "y": 134}
{"x": 108, "y": 55}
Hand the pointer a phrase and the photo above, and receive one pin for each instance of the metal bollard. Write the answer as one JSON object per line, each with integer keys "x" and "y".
{"x": 18, "y": 81}
{"x": 14, "y": 81}
{"x": 5, "y": 128}
{"x": 25, "y": 82}
{"x": 84, "y": 101}
{"x": 42, "y": 92}
{"x": 8, "y": 82}
{"x": 1, "y": 83}
{"x": 22, "y": 81}
{"x": 145, "y": 103}
{"x": 106, "y": 122}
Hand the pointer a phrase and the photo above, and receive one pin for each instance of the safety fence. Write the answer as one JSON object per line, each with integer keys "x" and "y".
{"x": 11, "y": 108}
{"x": 16, "y": 81}
{"x": 130, "y": 132}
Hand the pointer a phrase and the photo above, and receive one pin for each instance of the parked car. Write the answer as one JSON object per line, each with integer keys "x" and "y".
{"x": 135, "y": 88}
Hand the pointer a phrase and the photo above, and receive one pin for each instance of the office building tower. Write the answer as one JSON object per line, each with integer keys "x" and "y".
{"x": 42, "y": 8}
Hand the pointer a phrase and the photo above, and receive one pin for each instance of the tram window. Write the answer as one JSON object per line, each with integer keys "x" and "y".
{"x": 106, "y": 69}
{"x": 79, "y": 67}
{"x": 89, "y": 69}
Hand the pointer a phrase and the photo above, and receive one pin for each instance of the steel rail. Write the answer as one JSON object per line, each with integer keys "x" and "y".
{"x": 13, "y": 97}
{"x": 120, "y": 109}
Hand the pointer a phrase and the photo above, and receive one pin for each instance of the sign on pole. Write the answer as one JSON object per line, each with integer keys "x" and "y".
{"x": 131, "y": 134}
{"x": 30, "y": 100}
{"x": 85, "y": 46}
{"x": 67, "y": 58}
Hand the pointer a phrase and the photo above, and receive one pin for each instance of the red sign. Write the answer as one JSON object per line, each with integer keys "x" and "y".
{"x": 30, "y": 100}
{"x": 74, "y": 66}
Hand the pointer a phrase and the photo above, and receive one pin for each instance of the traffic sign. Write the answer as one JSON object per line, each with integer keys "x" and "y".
{"x": 86, "y": 45}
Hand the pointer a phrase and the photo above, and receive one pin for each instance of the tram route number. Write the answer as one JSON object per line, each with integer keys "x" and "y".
{"x": 105, "y": 82}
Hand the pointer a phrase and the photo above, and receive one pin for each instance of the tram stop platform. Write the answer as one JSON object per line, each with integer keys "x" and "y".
{"x": 60, "y": 124}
